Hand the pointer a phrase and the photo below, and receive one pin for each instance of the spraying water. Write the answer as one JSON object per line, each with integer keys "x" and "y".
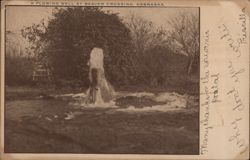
{"x": 100, "y": 90}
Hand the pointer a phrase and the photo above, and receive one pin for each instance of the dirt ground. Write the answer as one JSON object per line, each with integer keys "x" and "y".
{"x": 35, "y": 123}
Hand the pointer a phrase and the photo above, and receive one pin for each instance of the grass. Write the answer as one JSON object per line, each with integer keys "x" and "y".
{"x": 38, "y": 126}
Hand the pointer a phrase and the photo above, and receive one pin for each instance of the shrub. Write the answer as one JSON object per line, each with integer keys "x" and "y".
{"x": 162, "y": 67}
{"x": 72, "y": 33}
{"x": 18, "y": 71}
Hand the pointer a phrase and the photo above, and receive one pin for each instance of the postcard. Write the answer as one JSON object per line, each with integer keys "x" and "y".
{"x": 125, "y": 79}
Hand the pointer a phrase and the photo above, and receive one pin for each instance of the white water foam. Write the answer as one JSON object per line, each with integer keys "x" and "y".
{"x": 161, "y": 108}
{"x": 173, "y": 101}
{"x": 134, "y": 94}
{"x": 110, "y": 104}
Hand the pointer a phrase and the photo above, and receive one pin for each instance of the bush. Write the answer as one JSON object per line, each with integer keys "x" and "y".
{"x": 162, "y": 67}
{"x": 70, "y": 36}
{"x": 18, "y": 71}
{"x": 65, "y": 44}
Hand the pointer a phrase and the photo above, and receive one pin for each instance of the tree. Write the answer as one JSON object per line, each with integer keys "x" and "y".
{"x": 145, "y": 34}
{"x": 70, "y": 35}
{"x": 184, "y": 37}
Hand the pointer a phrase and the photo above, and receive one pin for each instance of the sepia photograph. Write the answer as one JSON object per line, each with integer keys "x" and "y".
{"x": 102, "y": 80}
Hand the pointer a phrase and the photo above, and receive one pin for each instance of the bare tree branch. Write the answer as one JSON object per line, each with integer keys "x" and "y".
{"x": 184, "y": 36}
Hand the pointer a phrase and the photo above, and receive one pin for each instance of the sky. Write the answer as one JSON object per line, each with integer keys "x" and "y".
{"x": 18, "y": 17}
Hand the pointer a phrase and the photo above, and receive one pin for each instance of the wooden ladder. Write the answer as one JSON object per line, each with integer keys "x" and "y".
{"x": 41, "y": 72}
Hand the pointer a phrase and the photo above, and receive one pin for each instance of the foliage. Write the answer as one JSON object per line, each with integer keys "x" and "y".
{"x": 163, "y": 67}
{"x": 146, "y": 38}
{"x": 71, "y": 34}
{"x": 184, "y": 37}
{"x": 145, "y": 34}
{"x": 18, "y": 70}
{"x": 135, "y": 53}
